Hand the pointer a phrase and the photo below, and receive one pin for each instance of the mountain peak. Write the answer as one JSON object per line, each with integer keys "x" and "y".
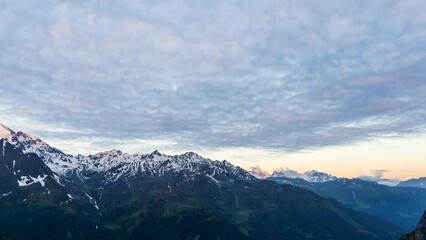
{"x": 109, "y": 153}
{"x": 5, "y": 132}
{"x": 316, "y": 176}
{"x": 10, "y": 135}
{"x": 27, "y": 137}
{"x": 190, "y": 154}
{"x": 113, "y": 151}
{"x": 156, "y": 153}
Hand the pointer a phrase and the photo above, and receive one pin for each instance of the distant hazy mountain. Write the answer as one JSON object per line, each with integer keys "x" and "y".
{"x": 314, "y": 176}
{"x": 415, "y": 182}
{"x": 258, "y": 172}
{"x": 419, "y": 233}
{"x": 310, "y": 176}
{"x": 388, "y": 182}
{"x": 47, "y": 194}
{"x": 317, "y": 177}
{"x": 402, "y": 206}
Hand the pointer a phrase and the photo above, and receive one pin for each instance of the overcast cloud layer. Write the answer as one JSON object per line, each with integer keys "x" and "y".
{"x": 285, "y": 75}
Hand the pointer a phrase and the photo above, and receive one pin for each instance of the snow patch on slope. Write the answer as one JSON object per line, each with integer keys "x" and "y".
{"x": 93, "y": 201}
{"x": 28, "y": 180}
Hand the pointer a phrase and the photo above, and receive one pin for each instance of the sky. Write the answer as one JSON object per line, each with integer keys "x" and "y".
{"x": 337, "y": 86}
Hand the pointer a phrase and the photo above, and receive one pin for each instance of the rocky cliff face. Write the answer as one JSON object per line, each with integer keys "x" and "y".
{"x": 419, "y": 233}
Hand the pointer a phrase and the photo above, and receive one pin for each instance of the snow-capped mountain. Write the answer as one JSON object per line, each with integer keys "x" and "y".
{"x": 116, "y": 195}
{"x": 56, "y": 160}
{"x": 318, "y": 177}
{"x": 310, "y": 176}
{"x": 5, "y": 132}
{"x": 115, "y": 164}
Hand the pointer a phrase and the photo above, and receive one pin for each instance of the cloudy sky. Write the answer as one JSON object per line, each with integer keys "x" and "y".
{"x": 334, "y": 85}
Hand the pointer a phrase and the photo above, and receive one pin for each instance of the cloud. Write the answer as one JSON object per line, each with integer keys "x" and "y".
{"x": 379, "y": 172}
{"x": 378, "y": 176}
{"x": 287, "y": 75}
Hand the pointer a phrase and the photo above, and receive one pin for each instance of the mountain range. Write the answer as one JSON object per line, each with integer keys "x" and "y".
{"x": 400, "y": 205}
{"x": 310, "y": 176}
{"x": 314, "y": 176}
{"x": 48, "y": 194}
